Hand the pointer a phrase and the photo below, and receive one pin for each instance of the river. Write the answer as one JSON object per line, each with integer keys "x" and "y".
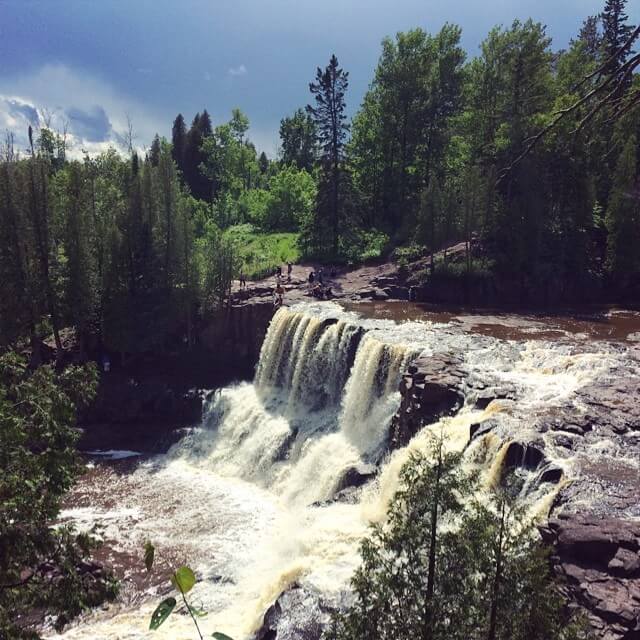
{"x": 246, "y": 497}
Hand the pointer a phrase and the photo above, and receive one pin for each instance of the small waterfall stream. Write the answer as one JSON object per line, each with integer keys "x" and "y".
{"x": 245, "y": 498}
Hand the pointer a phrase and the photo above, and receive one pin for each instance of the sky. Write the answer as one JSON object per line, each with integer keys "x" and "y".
{"x": 95, "y": 63}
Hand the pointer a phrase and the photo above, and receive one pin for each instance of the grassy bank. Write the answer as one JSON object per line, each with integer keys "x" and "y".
{"x": 262, "y": 252}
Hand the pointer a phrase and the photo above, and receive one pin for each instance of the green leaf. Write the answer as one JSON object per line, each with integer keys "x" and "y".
{"x": 220, "y": 636}
{"x": 183, "y": 579}
{"x": 162, "y": 612}
{"x": 149, "y": 555}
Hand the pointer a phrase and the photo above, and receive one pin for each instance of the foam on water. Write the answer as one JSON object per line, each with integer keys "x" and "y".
{"x": 242, "y": 498}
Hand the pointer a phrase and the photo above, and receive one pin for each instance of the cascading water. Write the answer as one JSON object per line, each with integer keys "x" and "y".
{"x": 245, "y": 498}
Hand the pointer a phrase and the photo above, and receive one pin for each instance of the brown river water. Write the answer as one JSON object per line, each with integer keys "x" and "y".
{"x": 252, "y": 520}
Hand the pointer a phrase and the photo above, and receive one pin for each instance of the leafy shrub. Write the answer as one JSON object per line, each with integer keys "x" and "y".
{"x": 40, "y": 564}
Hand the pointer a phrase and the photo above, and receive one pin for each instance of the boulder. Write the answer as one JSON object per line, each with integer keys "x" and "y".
{"x": 297, "y": 614}
{"x": 356, "y": 476}
{"x": 430, "y": 389}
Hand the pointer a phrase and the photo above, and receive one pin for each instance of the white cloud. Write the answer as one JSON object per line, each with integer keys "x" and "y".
{"x": 94, "y": 114}
{"x": 240, "y": 70}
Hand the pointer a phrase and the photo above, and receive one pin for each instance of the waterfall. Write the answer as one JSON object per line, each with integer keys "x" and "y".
{"x": 370, "y": 397}
{"x": 321, "y": 404}
{"x": 246, "y": 498}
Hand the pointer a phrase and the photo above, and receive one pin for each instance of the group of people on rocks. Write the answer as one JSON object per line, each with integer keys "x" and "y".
{"x": 317, "y": 285}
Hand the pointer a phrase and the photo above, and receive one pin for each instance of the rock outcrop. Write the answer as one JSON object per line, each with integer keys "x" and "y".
{"x": 599, "y": 562}
{"x": 430, "y": 389}
{"x": 236, "y": 333}
{"x": 588, "y": 445}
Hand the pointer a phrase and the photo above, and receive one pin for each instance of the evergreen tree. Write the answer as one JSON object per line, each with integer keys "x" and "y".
{"x": 590, "y": 37}
{"x": 263, "y": 163}
{"x": 616, "y": 31}
{"x": 329, "y": 117}
{"x": 199, "y": 184}
{"x": 154, "y": 152}
{"x": 179, "y": 141}
{"x": 446, "y": 566}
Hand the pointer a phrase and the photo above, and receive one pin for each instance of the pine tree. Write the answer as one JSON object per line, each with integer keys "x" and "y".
{"x": 615, "y": 32}
{"x": 331, "y": 125}
{"x": 154, "y": 152}
{"x": 449, "y": 566}
{"x": 263, "y": 163}
{"x": 179, "y": 141}
{"x": 590, "y": 36}
{"x": 200, "y": 130}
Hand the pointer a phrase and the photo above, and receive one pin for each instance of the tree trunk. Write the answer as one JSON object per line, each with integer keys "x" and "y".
{"x": 495, "y": 591}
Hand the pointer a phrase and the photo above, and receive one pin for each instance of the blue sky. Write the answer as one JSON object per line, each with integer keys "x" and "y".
{"x": 91, "y": 62}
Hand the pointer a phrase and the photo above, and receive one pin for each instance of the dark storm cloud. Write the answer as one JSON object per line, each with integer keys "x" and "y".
{"x": 93, "y": 124}
{"x": 27, "y": 111}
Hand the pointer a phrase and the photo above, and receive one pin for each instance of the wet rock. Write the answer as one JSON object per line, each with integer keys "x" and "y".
{"x": 523, "y": 455}
{"x": 285, "y": 447}
{"x": 479, "y": 429}
{"x": 486, "y": 396}
{"x": 550, "y": 474}
{"x": 599, "y": 560}
{"x": 123, "y": 400}
{"x": 431, "y": 389}
{"x": 297, "y": 614}
{"x": 356, "y": 476}
{"x": 379, "y": 294}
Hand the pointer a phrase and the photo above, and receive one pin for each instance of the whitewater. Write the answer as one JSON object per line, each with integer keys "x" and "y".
{"x": 247, "y": 498}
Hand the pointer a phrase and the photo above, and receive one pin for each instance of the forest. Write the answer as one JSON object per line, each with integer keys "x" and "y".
{"x": 526, "y": 152}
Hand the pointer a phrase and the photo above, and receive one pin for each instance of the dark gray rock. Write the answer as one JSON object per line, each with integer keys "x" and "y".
{"x": 431, "y": 389}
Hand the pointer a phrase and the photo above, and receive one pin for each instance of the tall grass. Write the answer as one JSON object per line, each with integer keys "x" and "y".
{"x": 261, "y": 252}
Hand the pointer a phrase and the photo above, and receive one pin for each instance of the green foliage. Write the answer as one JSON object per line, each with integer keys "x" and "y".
{"x": 38, "y": 563}
{"x": 183, "y": 580}
{"x": 161, "y": 613}
{"x": 623, "y": 215}
{"x": 298, "y": 140}
{"x": 446, "y": 565}
{"x": 114, "y": 248}
{"x": 260, "y": 253}
{"x": 322, "y": 233}
{"x": 149, "y": 555}
{"x": 219, "y": 262}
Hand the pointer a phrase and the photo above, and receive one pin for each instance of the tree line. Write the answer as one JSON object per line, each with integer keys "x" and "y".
{"x": 531, "y": 151}
{"x": 112, "y": 246}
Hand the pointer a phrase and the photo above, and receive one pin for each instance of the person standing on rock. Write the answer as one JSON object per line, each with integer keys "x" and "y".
{"x": 312, "y": 277}
{"x": 243, "y": 281}
{"x": 289, "y": 270}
